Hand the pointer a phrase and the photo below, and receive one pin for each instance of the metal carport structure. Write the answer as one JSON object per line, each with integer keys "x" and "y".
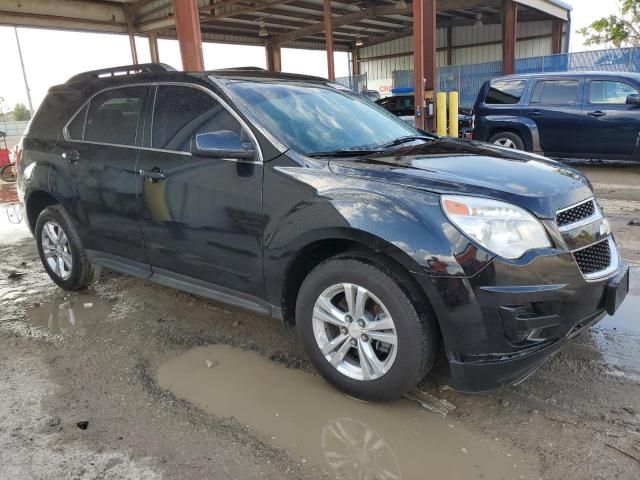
{"x": 309, "y": 24}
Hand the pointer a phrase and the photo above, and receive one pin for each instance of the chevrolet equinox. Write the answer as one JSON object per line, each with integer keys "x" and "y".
{"x": 295, "y": 198}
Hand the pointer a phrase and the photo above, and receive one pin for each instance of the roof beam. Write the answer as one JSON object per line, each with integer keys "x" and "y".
{"x": 337, "y": 21}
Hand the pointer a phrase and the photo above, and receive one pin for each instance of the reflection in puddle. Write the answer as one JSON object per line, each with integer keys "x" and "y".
{"x": 349, "y": 439}
{"x": 618, "y": 337}
{"x": 75, "y": 314}
{"x": 12, "y": 226}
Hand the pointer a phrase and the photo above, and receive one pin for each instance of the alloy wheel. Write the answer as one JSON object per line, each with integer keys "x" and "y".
{"x": 355, "y": 332}
{"x": 506, "y": 143}
{"x": 56, "y": 250}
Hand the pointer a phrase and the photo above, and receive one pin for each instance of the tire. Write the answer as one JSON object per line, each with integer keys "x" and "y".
{"x": 508, "y": 140}
{"x": 76, "y": 272}
{"x": 416, "y": 334}
{"x": 6, "y": 173}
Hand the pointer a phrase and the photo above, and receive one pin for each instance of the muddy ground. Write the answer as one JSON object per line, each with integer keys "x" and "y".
{"x": 176, "y": 387}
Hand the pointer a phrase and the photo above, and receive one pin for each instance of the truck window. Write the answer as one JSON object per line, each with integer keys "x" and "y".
{"x": 610, "y": 92}
{"x": 505, "y": 92}
{"x": 555, "y": 92}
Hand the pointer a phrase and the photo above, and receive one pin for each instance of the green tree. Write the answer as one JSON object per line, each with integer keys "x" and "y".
{"x": 21, "y": 113}
{"x": 622, "y": 30}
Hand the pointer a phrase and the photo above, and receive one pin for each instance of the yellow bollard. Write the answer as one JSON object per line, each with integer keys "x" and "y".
{"x": 441, "y": 114}
{"x": 454, "y": 102}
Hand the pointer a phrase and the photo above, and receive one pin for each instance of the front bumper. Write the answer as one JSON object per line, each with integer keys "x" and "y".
{"x": 506, "y": 322}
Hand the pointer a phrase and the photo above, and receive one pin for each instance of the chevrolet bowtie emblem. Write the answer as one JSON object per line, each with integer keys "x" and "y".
{"x": 605, "y": 228}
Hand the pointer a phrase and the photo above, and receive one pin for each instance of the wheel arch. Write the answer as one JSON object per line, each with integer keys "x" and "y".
{"x": 35, "y": 203}
{"x": 349, "y": 242}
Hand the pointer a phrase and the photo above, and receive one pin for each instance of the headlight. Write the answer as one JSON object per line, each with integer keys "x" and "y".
{"x": 500, "y": 227}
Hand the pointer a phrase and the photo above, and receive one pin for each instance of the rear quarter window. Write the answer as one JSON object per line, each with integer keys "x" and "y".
{"x": 505, "y": 92}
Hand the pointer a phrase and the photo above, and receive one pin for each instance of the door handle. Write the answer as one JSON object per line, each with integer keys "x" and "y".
{"x": 536, "y": 113}
{"x": 597, "y": 114}
{"x": 71, "y": 156}
{"x": 154, "y": 175}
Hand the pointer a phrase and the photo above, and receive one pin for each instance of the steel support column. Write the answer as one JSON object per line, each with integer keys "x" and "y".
{"x": 424, "y": 59}
{"x": 128, "y": 13}
{"x": 189, "y": 36}
{"x": 328, "y": 31}
{"x": 153, "y": 47}
{"x": 355, "y": 63}
{"x": 509, "y": 36}
{"x": 274, "y": 57}
{"x": 556, "y": 37}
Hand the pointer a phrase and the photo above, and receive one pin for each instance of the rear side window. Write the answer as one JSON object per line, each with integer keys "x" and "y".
{"x": 113, "y": 116}
{"x": 505, "y": 92}
{"x": 610, "y": 92}
{"x": 556, "y": 92}
{"x": 180, "y": 113}
{"x": 75, "y": 130}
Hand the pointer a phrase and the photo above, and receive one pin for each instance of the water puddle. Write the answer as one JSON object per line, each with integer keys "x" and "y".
{"x": 618, "y": 337}
{"x": 12, "y": 225}
{"x": 76, "y": 314}
{"x": 344, "y": 437}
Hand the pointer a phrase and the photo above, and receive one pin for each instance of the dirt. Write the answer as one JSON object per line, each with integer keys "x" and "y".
{"x": 174, "y": 386}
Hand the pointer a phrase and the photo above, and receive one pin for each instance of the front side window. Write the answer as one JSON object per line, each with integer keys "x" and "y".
{"x": 181, "y": 113}
{"x": 316, "y": 119}
{"x": 113, "y": 116}
{"x": 610, "y": 92}
{"x": 505, "y": 92}
{"x": 556, "y": 92}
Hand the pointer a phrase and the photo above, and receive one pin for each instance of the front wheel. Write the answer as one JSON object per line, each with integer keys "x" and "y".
{"x": 362, "y": 331}
{"x": 6, "y": 173}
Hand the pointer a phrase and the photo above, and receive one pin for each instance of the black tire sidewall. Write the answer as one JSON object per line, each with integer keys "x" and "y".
{"x": 514, "y": 137}
{"x": 54, "y": 214}
{"x": 416, "y": 340}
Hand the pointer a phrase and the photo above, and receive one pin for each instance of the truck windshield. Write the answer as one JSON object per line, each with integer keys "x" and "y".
{"x": 317, "y": 119}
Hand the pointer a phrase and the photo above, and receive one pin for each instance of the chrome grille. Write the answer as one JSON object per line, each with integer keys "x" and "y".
{"x": 594, "y": 258}
{"x": 577, "y": 213}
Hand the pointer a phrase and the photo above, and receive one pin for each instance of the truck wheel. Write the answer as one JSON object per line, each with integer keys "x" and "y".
{"x": 61, "y": 251}
{"x": 508, "y": 140}
{"x": 362, "y": 331}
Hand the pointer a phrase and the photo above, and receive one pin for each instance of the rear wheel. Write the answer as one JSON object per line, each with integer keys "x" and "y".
{"x": 508, "y": 140}
{"x": 362, "y": 331}
{"x": 61, "y": 251}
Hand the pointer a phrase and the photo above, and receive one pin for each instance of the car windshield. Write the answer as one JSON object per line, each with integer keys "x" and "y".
{"x": 317, "y": 119}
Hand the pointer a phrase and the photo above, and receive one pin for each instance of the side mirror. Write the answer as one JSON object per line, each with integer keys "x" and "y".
{"x": 633, "y": 99}
{"x": 222, "y": 144}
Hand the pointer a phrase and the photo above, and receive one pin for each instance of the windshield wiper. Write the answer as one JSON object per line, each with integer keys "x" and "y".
{"x": 411, "y": 138}
{"x": 347, "y": 152}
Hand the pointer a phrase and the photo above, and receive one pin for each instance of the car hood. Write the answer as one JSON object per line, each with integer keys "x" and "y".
{"x": 459, "y": 167}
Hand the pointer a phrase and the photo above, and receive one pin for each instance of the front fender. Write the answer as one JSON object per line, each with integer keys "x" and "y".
{"x": 405, "y": 224}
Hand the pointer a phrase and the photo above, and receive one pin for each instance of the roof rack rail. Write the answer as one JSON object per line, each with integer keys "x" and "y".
{"x": 123, "y": 70}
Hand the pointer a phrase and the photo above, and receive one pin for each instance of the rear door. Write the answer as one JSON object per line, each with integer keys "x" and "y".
{"x": 203, "y": 217}
{"x": 555, "y": 107}
{"x": 100, "y": 145}
{"x": 610, "y": 126}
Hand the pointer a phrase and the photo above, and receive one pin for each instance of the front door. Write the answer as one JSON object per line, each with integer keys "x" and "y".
{"x": 556, "y": 109}
{"x": 610, "y": 126}
{"x": 100, "y": 146}
{"x": 201, "y": 216}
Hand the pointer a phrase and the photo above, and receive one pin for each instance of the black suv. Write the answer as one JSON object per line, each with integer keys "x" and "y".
{"x": 294, "y": 197}
{"x": 593, "y": 115}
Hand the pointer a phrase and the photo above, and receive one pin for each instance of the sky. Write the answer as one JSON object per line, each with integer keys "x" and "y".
{"x": 52, "y": 56}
